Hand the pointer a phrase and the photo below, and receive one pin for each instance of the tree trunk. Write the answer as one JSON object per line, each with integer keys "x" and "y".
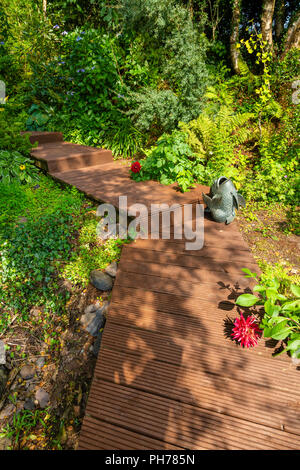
{"x": 279, "y": 19}
{"x": 293, "y": 35}
{"x": 45, "y": 7}
{"x": 266, "y": 21}
{"x": 234, "y": 37}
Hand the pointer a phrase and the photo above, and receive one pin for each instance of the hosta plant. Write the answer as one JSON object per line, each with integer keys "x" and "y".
{"x": 281, "y": 319}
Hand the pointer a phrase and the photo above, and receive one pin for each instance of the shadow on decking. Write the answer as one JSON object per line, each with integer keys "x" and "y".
{"x": 192, "y": 385}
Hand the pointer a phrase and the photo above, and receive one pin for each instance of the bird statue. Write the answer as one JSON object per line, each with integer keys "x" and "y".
{"x": 223, "y": 200}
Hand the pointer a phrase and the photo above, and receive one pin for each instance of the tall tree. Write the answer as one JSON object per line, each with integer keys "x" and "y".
{"x": 279, "y": 19}
{"x": 267, "y": 21}
{"x": 293, "y": 33}
{"x": 234, "y": 37}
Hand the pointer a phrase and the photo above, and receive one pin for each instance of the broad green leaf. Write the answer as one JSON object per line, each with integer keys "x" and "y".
{"x": 271, "y": 293}
{"x": 296, "y": 290}
{"x": 280, "y": 331}
{"x": 247, "y": 300}
{"x": 271, "y": 309}
{"x": 291, "y": 306}
{"x": 259, "y": 288}
{"x": 293, "y": 345}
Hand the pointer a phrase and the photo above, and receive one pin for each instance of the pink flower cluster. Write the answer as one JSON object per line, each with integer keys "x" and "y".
{"x": 246, "y": 331}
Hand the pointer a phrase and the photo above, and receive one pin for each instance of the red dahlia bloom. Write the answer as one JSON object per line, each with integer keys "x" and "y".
{"x": 136, "y": 167}
{"x": 246, "y": 331}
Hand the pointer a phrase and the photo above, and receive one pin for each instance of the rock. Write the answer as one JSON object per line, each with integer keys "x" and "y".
{"x": 7, "y": 411}
{"x": 105, "y": 306}
{"x": 97, "y": 344}
{"x": 101, "y": 280}
{"x": 92, "y": 308}
{"x": 29, "y": 405}
{"x": 27, "y": 372}
{"x": 42, "y": 397}
{"x": 93, "y": 321}
{"x": 112, "y": 269}
{"x": 2, "y": 353}
{"x": 40, "y": 362}
{"x": 3, "y": 379}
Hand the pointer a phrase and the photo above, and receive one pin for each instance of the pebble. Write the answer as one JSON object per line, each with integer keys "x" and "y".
{"x": 100, "y": 280}
{"x": 97, "y": 344}
{"x": 7, "y": 411}
{"x": 93, "y": 321}
{"x": 27, "y": 372}
{"x": 42, "y": 397}
{"x": 29, "y": 405}
{"x": 112, "y": 269}
{"x": 92, "y": 308}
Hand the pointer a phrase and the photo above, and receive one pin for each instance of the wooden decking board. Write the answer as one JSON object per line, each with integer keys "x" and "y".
{"x": 211, "y": 291}
{"x": 193, "y": 275}
{"x": 147, "y": 358}
{"x": 206, "y": 252}
{"x": 223, "y": 396}
{"x": 188, "y": 352}
{"x": 149, "y": 319}
{"x": 105, "y": 434}
{"x": 178, "y": 423}
{"x": 168, "y": 375}
{"x": 138, "y": 255}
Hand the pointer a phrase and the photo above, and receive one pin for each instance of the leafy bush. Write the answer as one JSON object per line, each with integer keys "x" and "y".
{"x": 15, "y": 167}
{"x": 171, "y": 161}
{"x": 213, "y": 137}
{"x": 10, "y": 137}
{"x": 174, "y": 48}
{"x": 85, "y": 86}
{"x": 281, "y": 320}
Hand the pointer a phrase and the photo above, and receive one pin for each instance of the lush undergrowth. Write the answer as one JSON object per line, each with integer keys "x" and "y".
{"x": 47, "y": 234}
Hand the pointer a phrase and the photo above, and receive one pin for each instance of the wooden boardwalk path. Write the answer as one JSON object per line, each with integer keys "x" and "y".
{"x": 168, "y": 376}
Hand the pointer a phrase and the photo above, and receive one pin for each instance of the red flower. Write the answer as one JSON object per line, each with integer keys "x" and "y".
{"x": 246, "y": 331}
{"x": 136, "y": 167}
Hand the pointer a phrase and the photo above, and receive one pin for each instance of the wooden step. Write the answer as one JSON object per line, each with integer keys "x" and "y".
{"x": 62, "y": 156}
{"x": 43, "y": 137}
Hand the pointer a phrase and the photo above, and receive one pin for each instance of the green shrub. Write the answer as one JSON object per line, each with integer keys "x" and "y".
{"x": 85, "y": 88}
{"x": 16, "y": 167}
{"x": 175, "y": 49}
{"x": 281, "y": 311}
{"x": 214, "y": 136}
{"x": 10, "y": 137}
{"x": 171, "y": 161}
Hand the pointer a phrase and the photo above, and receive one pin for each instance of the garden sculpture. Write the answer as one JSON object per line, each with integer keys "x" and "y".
{"x": 223, "y": 200}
